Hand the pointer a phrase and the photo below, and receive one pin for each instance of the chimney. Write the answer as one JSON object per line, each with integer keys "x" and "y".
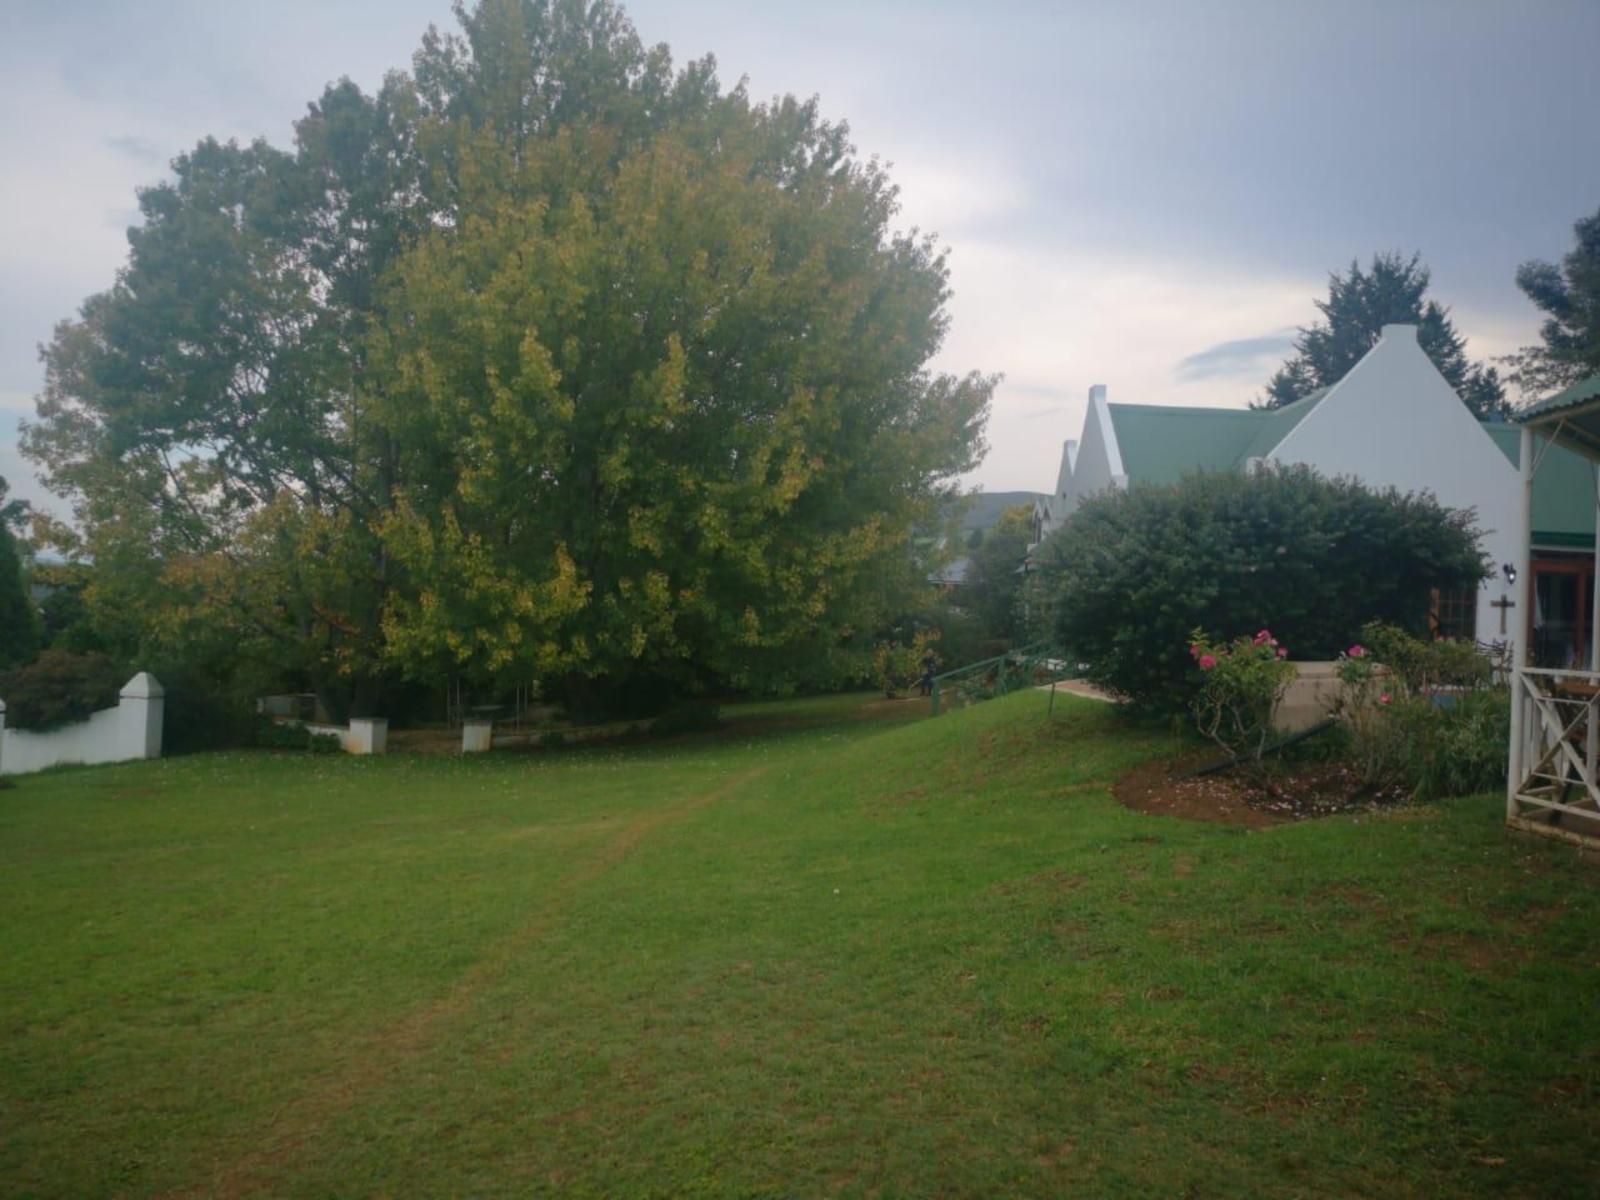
{"x": 1097, "y": 392}
{"x": 1399, "y": 333}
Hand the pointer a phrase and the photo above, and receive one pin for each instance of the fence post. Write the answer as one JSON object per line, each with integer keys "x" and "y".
{"x": 369, "y": 735}
{"x": 934, "y": 713}
{"x": 143, "y": 700}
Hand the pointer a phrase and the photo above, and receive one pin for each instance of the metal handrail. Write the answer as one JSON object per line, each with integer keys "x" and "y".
{"x": 1005, "y": 670}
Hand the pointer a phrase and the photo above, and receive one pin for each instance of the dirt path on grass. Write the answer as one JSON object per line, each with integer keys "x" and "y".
{"x": 373, "y": 1060}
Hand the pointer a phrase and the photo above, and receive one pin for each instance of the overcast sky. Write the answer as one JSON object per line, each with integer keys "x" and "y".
{"x": 1143, "y": 194}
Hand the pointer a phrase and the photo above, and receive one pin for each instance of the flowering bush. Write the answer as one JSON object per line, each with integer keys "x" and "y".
{"x": 1365, "y": 705}
{"x": 1422, "y": 716}
{"x": 1240, "y": 686}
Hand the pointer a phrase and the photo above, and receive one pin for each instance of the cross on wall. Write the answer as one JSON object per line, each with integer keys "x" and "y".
{"x": 1503, "y": 604}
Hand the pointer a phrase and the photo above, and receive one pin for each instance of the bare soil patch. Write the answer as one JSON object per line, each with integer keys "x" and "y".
{"x": 1294, "y": 792}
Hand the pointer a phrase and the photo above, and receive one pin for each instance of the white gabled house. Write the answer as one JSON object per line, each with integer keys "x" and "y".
{"x": 1392, "y": 421}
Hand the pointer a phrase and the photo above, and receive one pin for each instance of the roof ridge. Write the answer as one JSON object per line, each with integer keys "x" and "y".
{"x": 1192, "y": 408}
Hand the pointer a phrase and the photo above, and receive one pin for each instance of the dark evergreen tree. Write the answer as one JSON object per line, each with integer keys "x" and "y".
{"x": 19, "y": 625}
{"x": 1569, "y": 296}
{"x": 1359, "y": 304}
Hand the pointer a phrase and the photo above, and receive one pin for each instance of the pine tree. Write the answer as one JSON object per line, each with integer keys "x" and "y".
{"x": 1569, "y": 296}
{"x": 1359, "y": 304}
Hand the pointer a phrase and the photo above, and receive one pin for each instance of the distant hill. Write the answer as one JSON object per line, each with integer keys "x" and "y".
{"x": 986, "y": 507}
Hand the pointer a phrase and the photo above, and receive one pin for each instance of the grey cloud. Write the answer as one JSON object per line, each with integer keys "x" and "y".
{"x": 1240, "y": 357}
{"x": 141, "y": 150}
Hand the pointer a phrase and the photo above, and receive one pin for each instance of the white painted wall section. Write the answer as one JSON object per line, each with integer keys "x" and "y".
{"x": 1393, "y": 421}
{"x": 129, "y": 731}
{"x": 1097, "y": 465}
{"x": 364, "y": 735}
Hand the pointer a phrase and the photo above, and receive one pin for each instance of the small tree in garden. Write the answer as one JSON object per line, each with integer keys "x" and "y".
{"x": 1366, "y": 696}
{"x": 896, "y": 665}
{"x": 1241, "y": 683}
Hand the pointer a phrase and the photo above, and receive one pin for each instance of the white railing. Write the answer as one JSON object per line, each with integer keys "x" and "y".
{"x": 1555, "y": 741}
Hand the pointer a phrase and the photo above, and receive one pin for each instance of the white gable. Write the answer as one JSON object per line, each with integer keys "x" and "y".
{"x": 1097, "y": 463}
{"x": 1393, "y": 421}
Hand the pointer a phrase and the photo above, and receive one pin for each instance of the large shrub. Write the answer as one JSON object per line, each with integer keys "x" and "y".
{"x": 1133, "y": 572}
{"x": 59, "y": 688}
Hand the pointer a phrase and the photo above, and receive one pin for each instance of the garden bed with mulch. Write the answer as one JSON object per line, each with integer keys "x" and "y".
{"x": 1293, "y": 791}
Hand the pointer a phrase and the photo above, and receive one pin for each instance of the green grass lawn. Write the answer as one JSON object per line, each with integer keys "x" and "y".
{"x": 823, "y": 953}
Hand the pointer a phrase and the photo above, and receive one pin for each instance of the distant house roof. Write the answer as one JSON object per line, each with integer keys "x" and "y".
{"x": 985, "y": 508}
{"x": 1162, "y": 443}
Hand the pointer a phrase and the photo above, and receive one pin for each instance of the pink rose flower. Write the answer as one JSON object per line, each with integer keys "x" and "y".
{"x": 1358, "y": 651}
{"x": 1383, "y": 699}
{"x": 1207, "y": 661}
{"x": 1263, "y": 638}
{"x": 1282, "y": 652}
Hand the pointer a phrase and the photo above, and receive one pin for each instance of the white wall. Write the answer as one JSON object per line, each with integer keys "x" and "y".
{"x": 364, "y": 735}
{"x": 130, "y": 730}
{"x": 1097, "y": 464}
{"x": 1393, "y": 421}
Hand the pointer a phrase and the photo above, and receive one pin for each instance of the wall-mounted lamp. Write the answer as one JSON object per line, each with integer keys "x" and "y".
{"x": 1509, "y": 572}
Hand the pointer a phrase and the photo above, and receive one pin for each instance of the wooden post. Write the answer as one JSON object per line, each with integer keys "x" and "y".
{"x": 1519, "y": 640}
{"x": 1591, "y": 742}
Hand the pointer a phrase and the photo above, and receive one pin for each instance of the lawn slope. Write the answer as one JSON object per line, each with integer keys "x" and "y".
{"x": 831, "y": 951}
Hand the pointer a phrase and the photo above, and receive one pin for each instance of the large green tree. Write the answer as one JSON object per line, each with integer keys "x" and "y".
{"x": 547, "y": 359}
{"x": 1393, "y": 291}
{"x": 1569, "y": 296}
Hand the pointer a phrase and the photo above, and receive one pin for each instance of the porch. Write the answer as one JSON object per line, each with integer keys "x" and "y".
{"x": 1552, "y": 781}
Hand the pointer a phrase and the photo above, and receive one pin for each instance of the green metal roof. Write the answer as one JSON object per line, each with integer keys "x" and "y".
{"x": 1162, "y": 443}
{"x": 1563, "y": 490}
{"x": 1578, "y": 393}
{"x": 1277, "y": 423}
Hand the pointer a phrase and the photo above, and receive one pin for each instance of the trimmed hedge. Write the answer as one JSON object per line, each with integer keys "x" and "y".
{"x": 1313, "y": 559}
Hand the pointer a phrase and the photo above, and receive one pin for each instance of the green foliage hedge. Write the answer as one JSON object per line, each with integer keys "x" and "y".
{"x": 59, "y": 689}
{"x": 1134, "y": 572}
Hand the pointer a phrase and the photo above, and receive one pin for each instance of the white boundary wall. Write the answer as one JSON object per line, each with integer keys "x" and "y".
{"x": 364, "y": 735}
{"x": 130, "y": 730}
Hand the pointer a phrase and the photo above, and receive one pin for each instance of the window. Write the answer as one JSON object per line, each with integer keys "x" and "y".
{"x": 1455, "y": 613}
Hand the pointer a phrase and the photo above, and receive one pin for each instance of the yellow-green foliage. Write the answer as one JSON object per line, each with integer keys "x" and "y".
{"x": 546, "y": 359}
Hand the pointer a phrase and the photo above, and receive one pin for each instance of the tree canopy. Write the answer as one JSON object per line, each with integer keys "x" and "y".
{"x": 1393, "y": 291}
{"x": 546, "y": 360}
{"x": 1569, "y": 296}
